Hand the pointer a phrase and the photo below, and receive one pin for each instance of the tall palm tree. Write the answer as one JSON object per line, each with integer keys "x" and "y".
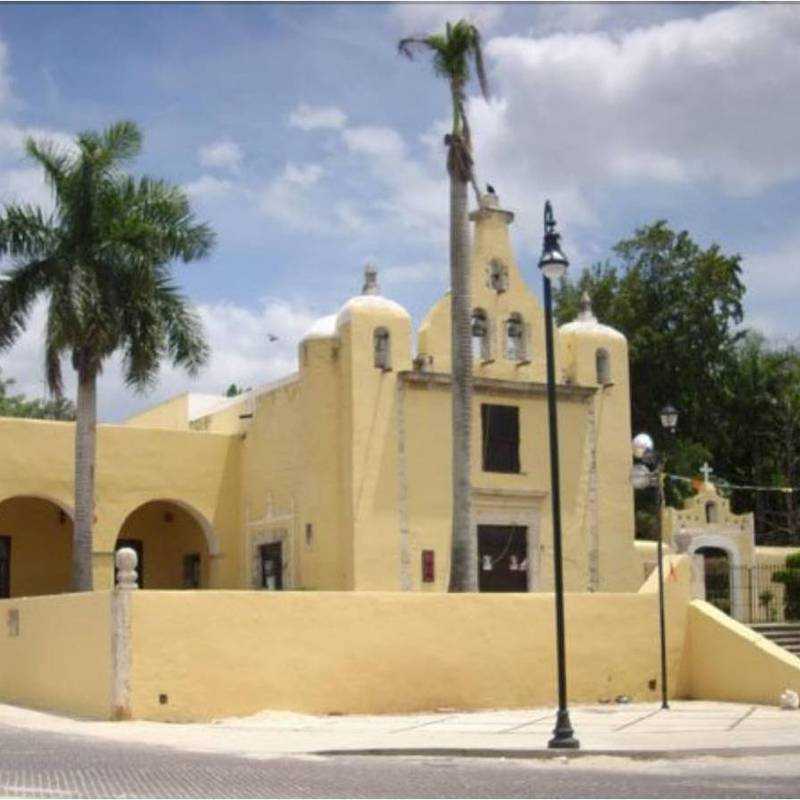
{"x": 453, "y": 53}
{"x": 100, "y": 260}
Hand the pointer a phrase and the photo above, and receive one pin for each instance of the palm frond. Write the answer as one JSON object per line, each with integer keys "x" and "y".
{"x": 53, "y": 159}
{"x": 480, "y": 70}
{"x": 26, "y": 232}
{"x": 19, "y": 288}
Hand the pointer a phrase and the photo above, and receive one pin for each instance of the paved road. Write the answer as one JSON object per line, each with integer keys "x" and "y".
{"x": 38, "y": 764}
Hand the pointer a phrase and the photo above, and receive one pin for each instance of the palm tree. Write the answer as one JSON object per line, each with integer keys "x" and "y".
{"x": 100, "y": 260}
{"x": 452, "y": 53}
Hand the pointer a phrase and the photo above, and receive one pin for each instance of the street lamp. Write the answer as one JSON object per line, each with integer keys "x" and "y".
{"x": 648, "y": 471}
{"x": 553, "y": 264}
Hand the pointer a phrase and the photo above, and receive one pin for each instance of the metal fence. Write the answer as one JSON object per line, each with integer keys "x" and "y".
{"x": 761, "y": 593}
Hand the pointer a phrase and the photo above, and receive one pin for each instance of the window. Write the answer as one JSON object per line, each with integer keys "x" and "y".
{"x": 515, "y": 338}
{"x": 500, "y": 429}
{"x": 481, "y": 348}
{"x": 191, "y": 571}
{"x": 5, "y": 566}
{"x": 603, "y": 367}
{"x": 428, "y": 570}
{"x": 712, "y": 514}
{"x": 498, "y": 276}
{"x": 383, "y": 359}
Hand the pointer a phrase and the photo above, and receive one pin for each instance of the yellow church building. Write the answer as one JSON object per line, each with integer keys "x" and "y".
{"x": 337, "y": 477}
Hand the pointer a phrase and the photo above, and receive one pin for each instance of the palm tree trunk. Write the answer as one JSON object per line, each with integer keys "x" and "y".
{"x": 85, "y": 445}
{"x": 464, "y": 555}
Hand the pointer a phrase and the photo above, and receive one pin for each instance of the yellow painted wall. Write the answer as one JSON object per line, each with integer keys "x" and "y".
{"x": 61, "y": 660}
{"x": 41, "y": 545}
{"x": 226, "y": 653}
{"x": 134, "y": 466}
{"x": 729, "y": 661}
{"x": 172, "y": 413}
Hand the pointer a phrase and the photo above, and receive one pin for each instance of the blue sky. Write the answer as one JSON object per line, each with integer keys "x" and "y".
{"x": 311, "y": 147}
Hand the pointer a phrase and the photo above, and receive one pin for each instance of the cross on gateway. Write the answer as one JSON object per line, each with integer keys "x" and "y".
{"x": 706, "y": 470}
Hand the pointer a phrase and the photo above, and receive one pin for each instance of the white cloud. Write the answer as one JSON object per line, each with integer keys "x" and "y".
{"x": 309, "y": 118}
{"x": 424, "y": 18}
{"x": 413, "y": 198}
{"x": 241, "y": 353}
{"x": 207, "y": 187}
{"x": 288, "y": 198}
{"x": 425, "y": 272}
{"x": 224, "y": 154}
{"x": 700, "y": 100}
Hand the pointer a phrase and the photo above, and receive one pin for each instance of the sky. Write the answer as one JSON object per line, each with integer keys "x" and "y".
{"x": 311, "y": 147}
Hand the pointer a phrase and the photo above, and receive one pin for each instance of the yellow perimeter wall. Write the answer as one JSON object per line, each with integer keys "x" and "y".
{"x": 61, "y": 659}
{"x": 224, "y": 653}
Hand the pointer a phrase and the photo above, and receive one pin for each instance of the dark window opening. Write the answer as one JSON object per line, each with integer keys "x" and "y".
{"x": 191, "y": 571}
{"x": 5, "y": 567}
{"x": 500, "y": 427}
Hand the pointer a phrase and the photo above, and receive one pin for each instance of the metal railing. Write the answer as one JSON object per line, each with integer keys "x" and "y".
{"x": 757, "y": 594}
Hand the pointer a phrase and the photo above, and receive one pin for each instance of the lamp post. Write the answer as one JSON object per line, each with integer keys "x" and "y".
{"x": 553, "y": 264}
{"x": 649, "y": 472}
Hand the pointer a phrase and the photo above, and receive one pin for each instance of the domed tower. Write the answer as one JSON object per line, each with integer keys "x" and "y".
{"x": 375, "y": 345}
{"x": 593, "y": 354}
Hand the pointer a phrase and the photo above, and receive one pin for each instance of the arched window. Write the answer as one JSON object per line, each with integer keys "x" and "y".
{"x": 712, "y": 512}
{"x": 481, "y": 344}
{"x": 498, "y": 276}
{"x": 382, "y": 348}
{"x": 603, "y": 367}
{"x": 515, "y": 338}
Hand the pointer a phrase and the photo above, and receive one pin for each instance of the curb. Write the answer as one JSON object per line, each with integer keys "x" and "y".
{"x": 549, "y": 755}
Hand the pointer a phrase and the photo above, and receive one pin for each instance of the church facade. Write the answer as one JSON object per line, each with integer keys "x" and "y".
{"x": 338, "y": 476}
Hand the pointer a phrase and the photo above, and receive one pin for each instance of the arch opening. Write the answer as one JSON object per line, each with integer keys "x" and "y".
{"x": 515, "y": 338}
{"x": 381, "y": 344}
{"x": 35, "y": 547}
{"x": 173, "y": 542}
{"x": 481, "y": 347}
{"x": 717, "y": 570}
{"x": 603, "y": 366}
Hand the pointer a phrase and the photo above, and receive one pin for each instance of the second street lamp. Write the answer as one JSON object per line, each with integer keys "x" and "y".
{"x": 646, "y": 472}
{"x": 553, "y": 264}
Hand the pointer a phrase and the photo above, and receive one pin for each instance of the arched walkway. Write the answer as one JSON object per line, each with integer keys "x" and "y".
{"x": 35, "y": 547}
{"x": 173, "y": 542}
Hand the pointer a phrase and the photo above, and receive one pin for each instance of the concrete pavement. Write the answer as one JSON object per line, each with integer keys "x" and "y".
{"x": 688, "y": 728}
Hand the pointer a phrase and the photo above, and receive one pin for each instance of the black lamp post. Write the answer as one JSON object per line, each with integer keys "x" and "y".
{"x": 649, "y": 472}
{"x": 553, "y": 265}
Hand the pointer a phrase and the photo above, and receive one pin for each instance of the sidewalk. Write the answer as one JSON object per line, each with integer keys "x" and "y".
{"x": 688, "y": 728}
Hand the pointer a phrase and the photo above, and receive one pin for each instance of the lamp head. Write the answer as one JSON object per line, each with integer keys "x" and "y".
{"x": 642, "y": 444}
{"x": 553, "y": 263}
{"x": 669, "y": 417}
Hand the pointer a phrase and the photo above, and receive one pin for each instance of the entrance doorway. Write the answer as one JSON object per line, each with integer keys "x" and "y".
{"x": 717, "y": 577}
{"x": 502, "y": 558}
{"x": 271, "y": 566}
{"x": 5, "y": 567}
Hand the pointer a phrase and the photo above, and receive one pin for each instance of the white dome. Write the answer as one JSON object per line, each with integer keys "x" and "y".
{"x": 370, "y": 304}
{"x": 586, "y": 324}
{"x": 323, "y": 328}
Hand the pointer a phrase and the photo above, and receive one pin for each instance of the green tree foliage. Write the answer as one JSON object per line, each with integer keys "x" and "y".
{"x": 18, "y": 405}
{"x": 680, "y": 306}
{"x": 100, "y": 260}
{"x": 790, "y": 578}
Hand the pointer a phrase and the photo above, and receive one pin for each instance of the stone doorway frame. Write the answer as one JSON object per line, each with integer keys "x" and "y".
{"x": 521, "y": 508}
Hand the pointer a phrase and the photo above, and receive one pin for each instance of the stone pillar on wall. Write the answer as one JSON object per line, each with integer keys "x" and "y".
{"x": 126, "y": 563}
